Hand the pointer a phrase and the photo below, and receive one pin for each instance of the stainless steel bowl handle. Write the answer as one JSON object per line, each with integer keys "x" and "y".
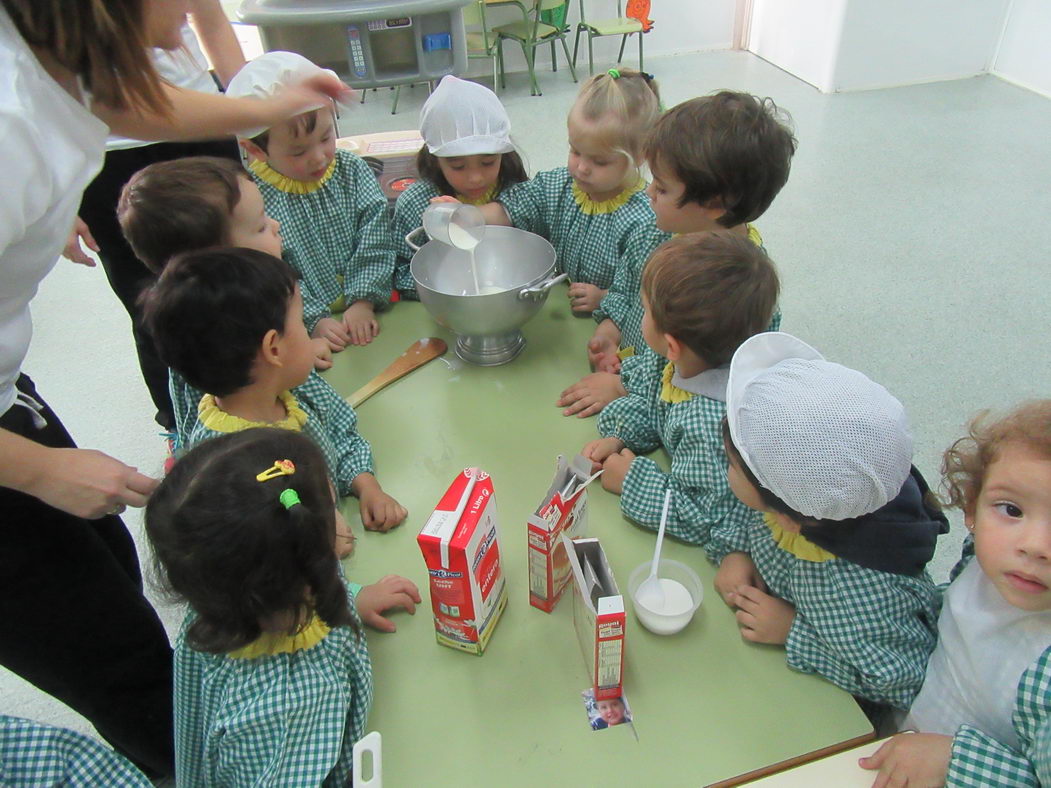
{"x": 408, "y": 239}
{"x": 542, "y": 288}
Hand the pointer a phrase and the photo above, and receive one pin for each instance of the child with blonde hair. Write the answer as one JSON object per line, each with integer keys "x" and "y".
{"x": 273, "y": 681}
{"x": 467, "y": 154}
{"x": 594, "y": 210}
{"x": 984, "y": 712}
{"x": 332, "y": 213}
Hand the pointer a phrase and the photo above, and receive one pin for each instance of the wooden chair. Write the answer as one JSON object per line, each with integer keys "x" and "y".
{"x": 531, "y": 33}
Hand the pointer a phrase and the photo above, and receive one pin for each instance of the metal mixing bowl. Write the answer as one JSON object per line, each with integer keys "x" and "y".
{"x": 518, "y": 264}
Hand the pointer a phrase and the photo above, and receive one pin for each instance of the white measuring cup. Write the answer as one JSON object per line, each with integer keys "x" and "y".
{"x": 455, "y": 224}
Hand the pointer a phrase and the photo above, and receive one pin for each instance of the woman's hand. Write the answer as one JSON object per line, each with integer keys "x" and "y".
{"x": 73, "y": 251}
{"x": 388, "y": 593}
{"x": 87, "y": 483}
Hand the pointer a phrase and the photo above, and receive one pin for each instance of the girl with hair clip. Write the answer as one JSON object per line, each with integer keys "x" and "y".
{"x": 592, "y": 208}
{"x": 272, "y": 674}
{"x": 467, "y": 155}
{"x": 76, "y": 623}
{"x": 984, "y": 711}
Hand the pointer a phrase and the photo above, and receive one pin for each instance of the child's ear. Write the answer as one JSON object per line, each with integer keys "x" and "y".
{"x": 674, "y": 348}
{"x": 253, "y": 150}
{"x": 270, "y": 348}
{"x": 714, "y": 208}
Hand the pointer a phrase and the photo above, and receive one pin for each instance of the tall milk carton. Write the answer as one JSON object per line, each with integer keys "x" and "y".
{"x": 460, "y": 548}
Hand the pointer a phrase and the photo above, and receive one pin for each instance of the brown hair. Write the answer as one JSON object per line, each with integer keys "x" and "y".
{"x": 966, "y": 462}
{"x": 304, "y": 123}
{"x": 711, "y": 291}
{"x": 734, "y": 147}
{"x": 631, "y": 100}
{"x": 512, "y": 171}
{"x": 102, "y": 41}
{"x": 179, "y": 206}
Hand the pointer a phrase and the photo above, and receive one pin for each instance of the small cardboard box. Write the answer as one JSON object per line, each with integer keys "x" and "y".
{"x": 460, "y": 547}
{"x": 598, "y": 616}
{"x": 559, "y": 512}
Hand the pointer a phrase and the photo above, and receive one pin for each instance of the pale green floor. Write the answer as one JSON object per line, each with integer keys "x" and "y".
{"x": 911, "y": 238}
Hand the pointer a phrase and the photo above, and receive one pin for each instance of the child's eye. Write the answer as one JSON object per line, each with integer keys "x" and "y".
{"x": 1008, "y": 508}
{"x": 489, "y": 163}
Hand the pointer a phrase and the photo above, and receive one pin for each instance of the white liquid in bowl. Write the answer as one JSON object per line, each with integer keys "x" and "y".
{"x": 670, "y": 614}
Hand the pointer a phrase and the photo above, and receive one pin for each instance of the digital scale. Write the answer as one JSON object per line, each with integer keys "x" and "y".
{"x": 392, "y": 157}
{"x": 370, "y": 43}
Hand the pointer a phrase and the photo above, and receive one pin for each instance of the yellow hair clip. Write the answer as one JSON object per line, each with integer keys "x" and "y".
{"x": 279, "y": 468}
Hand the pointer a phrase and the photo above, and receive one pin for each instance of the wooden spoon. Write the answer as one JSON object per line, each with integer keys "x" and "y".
{"x": 418, "y": 353}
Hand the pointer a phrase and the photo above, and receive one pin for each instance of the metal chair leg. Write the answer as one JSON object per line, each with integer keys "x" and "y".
{"x": 554, "y": 65}
{"x": 565, "y": 48}
{"x": 530, "y": 56}
{"x": 397, "y": 95}
{"x": 623, "y": 41}
{"x": 591, "y": 57}
{"x": 500, "y": 58}
{"x": 641, "y": 34}
{"x": 576, "y": 42}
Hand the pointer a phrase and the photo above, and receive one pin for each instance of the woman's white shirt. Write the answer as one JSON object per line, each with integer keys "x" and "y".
{"x": 51, "y": 147}
{"x": 984, "y": 647}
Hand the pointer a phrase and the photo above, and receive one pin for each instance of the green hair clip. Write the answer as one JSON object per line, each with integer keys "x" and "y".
{"x": 614, "y": 73}
{"x": 289, "y": 498}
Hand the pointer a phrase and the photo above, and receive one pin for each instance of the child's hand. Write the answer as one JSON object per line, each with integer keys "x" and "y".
{"x": 591, "y": 394}
{"x": 322, "y": 353}
{"x": 360, "y": 323}
{"x": 602, "y": 350}
{"x": 333, "y": 332}
{"x": 598, "y": 450}
{"x": 920, "y": 759}
{"x": 737, "y": 569}
{"x": 760, "y": 617}
{"x": 584, "y": 297}
{"x": 344, "y": 537}
{"x": 390, "y": 592}
{"x": 379, "y": 512}
{"x": 615, "y": 468}
{"x": 444, "y": 198}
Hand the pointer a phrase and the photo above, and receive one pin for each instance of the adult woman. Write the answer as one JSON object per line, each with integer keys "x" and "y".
{"x": 75, "y": 621}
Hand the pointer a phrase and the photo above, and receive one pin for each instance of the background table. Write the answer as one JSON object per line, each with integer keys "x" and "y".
{"x": 707, "y": 705}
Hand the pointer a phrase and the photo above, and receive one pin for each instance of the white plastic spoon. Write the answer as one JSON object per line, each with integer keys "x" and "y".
{"x": 651, "y": 593}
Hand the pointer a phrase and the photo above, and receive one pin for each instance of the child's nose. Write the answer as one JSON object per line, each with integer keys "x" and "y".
{"x": 1035, "y": 541}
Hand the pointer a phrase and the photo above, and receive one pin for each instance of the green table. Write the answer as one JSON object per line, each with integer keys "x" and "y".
{"x": 707, "y": 705}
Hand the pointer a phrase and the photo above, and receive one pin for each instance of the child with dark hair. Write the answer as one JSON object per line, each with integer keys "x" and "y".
{"x": 467, "y": 154}
{"x": 837, "y": 573}
{"x": 703, "y": 294}
{"x": 984, "y": 712}
{"x": 189, "y": 204}
{"x": 272, "y": 674}
{"x": 717, "y": 164}
{"x": 231, "y": 322}
{"x": 332, "y": 212}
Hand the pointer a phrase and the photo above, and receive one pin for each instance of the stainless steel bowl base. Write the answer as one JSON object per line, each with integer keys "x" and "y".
{"x": 490, "y": 351}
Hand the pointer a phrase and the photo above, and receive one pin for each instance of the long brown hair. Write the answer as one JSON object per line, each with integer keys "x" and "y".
{"x": 104, "y": 42}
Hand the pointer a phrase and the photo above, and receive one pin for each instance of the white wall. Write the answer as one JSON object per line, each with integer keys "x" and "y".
{"x": 1025, "y": 50}
{"x": 840, "y": 45}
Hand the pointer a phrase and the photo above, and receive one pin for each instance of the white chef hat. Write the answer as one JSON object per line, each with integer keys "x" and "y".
{"x": 267, "y": 74}
{"x": 826, "y": 440}
{"x": 462, "y": 118}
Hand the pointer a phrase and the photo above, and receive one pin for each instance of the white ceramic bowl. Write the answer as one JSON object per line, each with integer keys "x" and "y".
{"x": 666, "y": 622}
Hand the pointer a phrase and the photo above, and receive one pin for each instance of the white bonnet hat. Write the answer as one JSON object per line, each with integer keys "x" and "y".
{"x": 826, "y": 440}
{"x": 267, "y": 74}
{"x": 463, "y": 118}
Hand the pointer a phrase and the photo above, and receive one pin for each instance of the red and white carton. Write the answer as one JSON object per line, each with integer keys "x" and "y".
{"x": 564, "y": 509}
{"x": 460, "y": 548}
{"x": 598, "y": 616}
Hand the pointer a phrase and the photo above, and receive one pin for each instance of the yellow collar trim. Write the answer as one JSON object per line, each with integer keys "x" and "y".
{"x": 212, "y": 417}
{"x": 670, "y": 392}
{"x": 592, "y": 208}
{"x": 796, "y": 544}
{"x": 754, "y": 236}
{"x": 270, "y": 643}
{"x": 486, "y": 198}
{"x": 268, "y": 174}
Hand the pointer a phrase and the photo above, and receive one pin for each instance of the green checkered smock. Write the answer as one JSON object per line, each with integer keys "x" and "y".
{"x": 331, "y": 423}
{"x": 866, "y": 631}
{"x": 979, "y": 760}
{"x": 337, "y": 237}
{"x": 34, "y": 755}
{"x": 590, "y": 246}
{"x": 284, "y": 719}
{"x": 703, "y": 509}
{"x": 623, "y": 302}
